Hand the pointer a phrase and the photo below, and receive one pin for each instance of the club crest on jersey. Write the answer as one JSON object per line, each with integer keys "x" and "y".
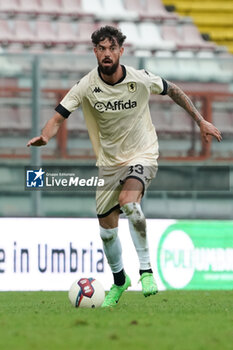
{"x": 132, "y": 86}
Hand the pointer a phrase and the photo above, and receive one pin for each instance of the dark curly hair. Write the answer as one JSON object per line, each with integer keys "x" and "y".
{"x": 109, "y": 32}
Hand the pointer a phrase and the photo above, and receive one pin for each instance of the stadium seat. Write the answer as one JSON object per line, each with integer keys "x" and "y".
{"x": 30, "y": 7}
{"x": 6, "y": 35}
{"x": 66, "y": 34}
{"x": 219, "y": 34}
{"x": 9, "y": 7}
{"x": 137, "y": 36}
{"x": 155, "y": 8}
{"x": 171, "y": 33}
{"x": 73, "y": 8}
{"x": 186, "y": 37}
{"x": 106, "y": 23}
{"x": 187, "y": 7}
{"x": 94, "y": 6}
{"x": 130, "y": 29}
{"x": 191, "y": 35}
{"x": 51, "y": 7}
{"x": 135, "y": 6}
{"x": 153, "y": 41}
{"x": 209, "y": 16}
{"x": 108, "y": 10}
{"x": 45, "y": 33}
{"x": 114, "y": 10}
{"x": 84, "y": 31}
{"x": 205, "y": 21}
{"x": 150, "y": 11}
{"x": 23, "y": 32}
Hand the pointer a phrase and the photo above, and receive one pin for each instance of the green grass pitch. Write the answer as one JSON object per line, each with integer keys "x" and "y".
{"x": 171, "y": 320}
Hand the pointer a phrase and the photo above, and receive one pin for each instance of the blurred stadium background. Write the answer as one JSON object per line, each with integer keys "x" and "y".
{"x": 45, "y": 48}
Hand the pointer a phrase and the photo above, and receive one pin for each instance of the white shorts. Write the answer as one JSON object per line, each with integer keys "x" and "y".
{"x": 114, "y": 178}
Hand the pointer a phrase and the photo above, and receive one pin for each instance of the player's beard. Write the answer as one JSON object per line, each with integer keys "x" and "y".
{"x": 109, "y": 70}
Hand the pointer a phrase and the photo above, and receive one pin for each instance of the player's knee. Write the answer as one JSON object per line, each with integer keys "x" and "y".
{"x": 132, "y": 191}
{"x": 108, "y": 234}
{"x": 126, "y": 197}
{"x": 122, "y": 199}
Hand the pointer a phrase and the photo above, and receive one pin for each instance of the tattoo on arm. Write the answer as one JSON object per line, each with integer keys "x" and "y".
{"x": 179, "y": 97}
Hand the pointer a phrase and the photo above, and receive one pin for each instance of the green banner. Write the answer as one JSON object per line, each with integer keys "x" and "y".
{"x": 197, "y": 255}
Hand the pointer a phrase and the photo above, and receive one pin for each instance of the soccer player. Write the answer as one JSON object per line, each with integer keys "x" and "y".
{"x": 114, "y": 99}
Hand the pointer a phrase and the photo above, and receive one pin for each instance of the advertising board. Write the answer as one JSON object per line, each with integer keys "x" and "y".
{"x": 50, "y": 253}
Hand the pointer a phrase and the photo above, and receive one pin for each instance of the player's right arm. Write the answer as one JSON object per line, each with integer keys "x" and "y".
{"x": 69, "y": 103}
{"x": 51, "y": 128}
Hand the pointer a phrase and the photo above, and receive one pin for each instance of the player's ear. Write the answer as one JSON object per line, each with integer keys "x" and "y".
{"x": 95, "y": 50}
{"x": 122, "y": 50}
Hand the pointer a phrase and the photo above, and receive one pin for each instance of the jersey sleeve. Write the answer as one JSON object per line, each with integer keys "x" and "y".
{"x": 158, "y": 85}
{"x": 71, "y": 101}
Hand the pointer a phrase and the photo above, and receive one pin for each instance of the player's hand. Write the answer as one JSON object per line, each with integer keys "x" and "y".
{"x": 38, "y": 141}
{"x": 207, "y": 129}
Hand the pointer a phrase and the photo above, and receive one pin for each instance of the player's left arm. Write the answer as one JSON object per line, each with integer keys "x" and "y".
{"x": 180, "y": 98}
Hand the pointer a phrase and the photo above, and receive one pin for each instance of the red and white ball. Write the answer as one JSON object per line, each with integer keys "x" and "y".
{"x": 86, "y": 293}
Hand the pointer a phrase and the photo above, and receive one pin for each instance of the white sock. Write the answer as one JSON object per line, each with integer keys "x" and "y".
{"x": 137, "y": 227}
{"x": 112, "y": 248}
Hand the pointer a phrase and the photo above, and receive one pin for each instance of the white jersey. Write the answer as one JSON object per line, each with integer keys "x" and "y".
{"x": 117, "y": 116}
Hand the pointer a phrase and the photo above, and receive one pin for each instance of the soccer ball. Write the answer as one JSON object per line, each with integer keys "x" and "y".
{"x": 86, "y": 292}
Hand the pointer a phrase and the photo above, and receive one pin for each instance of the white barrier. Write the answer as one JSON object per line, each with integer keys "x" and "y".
{"x": 49, "y": 254}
